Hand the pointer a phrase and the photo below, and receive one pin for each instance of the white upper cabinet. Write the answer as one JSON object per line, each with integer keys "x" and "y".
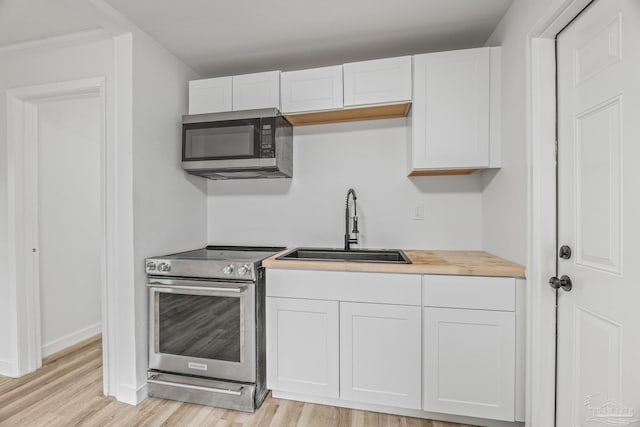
{"x": 455, "y": 111}
{"x": 316, "y": 89}
{"x": 452, "y": 98}
{"x": 233, "y": 93}
{"x": 381, "y": 81}
{"x": 258, "y": 90}
{"x": 210, "y": 95}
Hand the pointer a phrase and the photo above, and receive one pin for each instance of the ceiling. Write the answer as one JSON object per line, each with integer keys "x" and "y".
{"x": 223, "y": 37}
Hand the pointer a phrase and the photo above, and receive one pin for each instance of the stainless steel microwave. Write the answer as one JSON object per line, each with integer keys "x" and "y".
{"x": 238, "y": 144}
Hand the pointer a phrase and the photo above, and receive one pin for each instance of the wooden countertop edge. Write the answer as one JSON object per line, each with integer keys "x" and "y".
{"x": 455, "y": 263}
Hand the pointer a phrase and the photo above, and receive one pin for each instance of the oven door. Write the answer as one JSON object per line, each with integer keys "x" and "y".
{"x": 203, "y": 328}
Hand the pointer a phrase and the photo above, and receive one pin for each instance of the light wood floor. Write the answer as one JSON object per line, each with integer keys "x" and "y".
{"x": 67, "y": 391}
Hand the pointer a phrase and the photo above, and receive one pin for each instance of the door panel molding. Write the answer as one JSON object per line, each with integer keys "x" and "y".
{"x": 604, "y": 250}
{"x": 600, "y": 341}
{"x": 607, "y": 43}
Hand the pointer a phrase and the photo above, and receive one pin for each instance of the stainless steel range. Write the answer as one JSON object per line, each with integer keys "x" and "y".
{"x": 207, "y": 326}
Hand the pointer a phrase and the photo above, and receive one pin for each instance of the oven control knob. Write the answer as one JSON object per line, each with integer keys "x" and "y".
{"x": 228, "y": 270}
{"x": 151, "y": 266}
{"x": 163, "y": 266}
{"x": 244, "y": 269}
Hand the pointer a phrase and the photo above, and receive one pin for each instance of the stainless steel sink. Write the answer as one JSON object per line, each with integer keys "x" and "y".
{"x": 389, "y": 256}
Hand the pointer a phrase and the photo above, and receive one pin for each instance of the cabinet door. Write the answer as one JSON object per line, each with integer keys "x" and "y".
{"x": 315, "y": 89}
{"x": 450, "y": 119}
{"x": 469, "y": 362}
{"x": 381, "y": 81}
{"x": 210, "y": 95}
{"x": 302, "y": 346}
{"x": 380, "y": 354}
{"x": 258, "y": 90}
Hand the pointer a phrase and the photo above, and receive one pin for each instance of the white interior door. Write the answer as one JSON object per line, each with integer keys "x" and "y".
{"x": 70, "y": 221}
{"x": 599, "y": 216}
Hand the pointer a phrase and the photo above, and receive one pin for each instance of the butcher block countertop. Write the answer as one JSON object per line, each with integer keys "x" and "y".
{"x": 457, "y": 263}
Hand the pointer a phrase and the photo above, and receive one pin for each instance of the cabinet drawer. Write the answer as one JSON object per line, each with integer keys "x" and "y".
{"x": 380, "y": 288}
{"x": 483, "y": 293}
{"x": 377, "y": 82}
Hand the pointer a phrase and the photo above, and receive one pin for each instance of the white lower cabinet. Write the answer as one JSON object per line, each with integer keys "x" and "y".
{"x": 469, "y": 362}
{"x": 422, "y": 344}
{"x": 380, "y": 354}
{"x": 303, "y": 346}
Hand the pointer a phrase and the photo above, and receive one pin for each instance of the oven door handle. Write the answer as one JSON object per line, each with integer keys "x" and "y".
{"x": 196, "y": 283}
{"x": 169, "y": 287}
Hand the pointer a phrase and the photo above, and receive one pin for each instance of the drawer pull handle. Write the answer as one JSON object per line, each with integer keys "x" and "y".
{"x": 196, "y": 387}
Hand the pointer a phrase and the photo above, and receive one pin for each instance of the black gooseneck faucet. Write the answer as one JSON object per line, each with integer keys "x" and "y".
{"x": 347, "y": 235}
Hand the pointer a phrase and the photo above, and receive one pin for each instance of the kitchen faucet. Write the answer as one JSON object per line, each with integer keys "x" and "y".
{"x": 347, "y": 235}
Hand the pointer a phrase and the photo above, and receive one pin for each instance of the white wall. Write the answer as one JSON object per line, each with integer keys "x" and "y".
{"x": 504, "y": 199}
{"x": 308, "y": 210}
{"x": 169, "y": 206}
{"x": 70, "y": 221}
{"x": 27, "y": 68}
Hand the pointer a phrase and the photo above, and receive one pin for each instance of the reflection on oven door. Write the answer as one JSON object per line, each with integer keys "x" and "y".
{"x": 200, "y": 326}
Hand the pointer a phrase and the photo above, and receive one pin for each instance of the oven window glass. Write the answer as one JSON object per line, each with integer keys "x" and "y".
{"x": 220, "y": 142}
{"x": 199, "y": 326}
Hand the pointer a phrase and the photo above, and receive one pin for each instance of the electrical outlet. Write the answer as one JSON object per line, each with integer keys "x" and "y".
{"x": 418, "y": 212}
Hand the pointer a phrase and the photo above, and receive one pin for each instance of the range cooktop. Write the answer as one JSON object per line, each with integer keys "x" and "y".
{"x": 213, "y": 261}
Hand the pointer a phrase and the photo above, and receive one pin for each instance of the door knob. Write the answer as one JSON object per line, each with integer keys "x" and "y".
{"x": 563, "y": 282}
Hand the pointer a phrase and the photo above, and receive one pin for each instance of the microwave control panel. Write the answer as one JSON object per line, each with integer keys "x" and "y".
{"x": 267, "y": 147}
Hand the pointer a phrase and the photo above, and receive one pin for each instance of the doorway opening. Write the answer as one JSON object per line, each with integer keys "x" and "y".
{"x": 58, "y": 242}
{"x": 69, "y": 220}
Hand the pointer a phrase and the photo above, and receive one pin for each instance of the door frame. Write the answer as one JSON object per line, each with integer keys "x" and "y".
{"x": 22, "y": 150}
{"x": 542, "y": 214}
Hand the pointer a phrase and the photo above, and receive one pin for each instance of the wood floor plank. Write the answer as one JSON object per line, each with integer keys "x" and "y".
{"x": 67, "y": 391}
{"x": 287, "y": 414}
{"x": 207, "y": 416}
{"x": 16, "y": 402}
{"x": 103, "y": 416}
{"x": 49, "y": 371}
{"x": 182, "y": 416}
{"x": 61, "y": 403}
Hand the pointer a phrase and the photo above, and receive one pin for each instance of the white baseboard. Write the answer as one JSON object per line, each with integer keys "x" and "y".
{"x": 71, "y": 339}
{"x": 396, "y": 411}
{"x": 6, "y": 369}
{"x": 132, "y": 395}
